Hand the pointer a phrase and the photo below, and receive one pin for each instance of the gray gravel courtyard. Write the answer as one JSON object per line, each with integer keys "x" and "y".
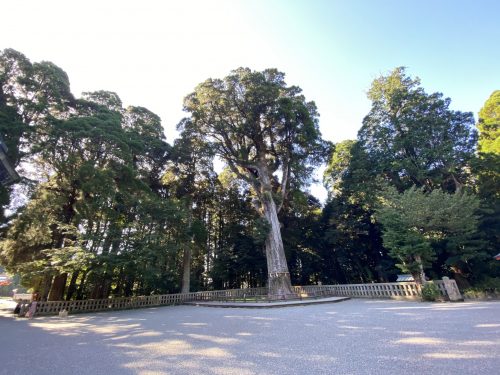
{"x": 351, "y": 337}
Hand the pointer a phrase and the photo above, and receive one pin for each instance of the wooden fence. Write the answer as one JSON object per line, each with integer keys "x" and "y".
{"x": 402, "y": 290}
{"x": 91, "y": 305}
{"x": 407, "y": 290}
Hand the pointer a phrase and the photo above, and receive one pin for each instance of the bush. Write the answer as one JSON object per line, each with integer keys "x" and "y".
{"x": 490, "y": 284}
{"x": 488, "y": 288}
{"x": 430, "y": 292}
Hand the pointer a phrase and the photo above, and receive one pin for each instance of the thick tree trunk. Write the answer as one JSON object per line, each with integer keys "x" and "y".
{"x": 420, "y": 277}
{"x": 106, "y": 288}
{"x": 81, "y": 288}
{"x": 96, "y": 290}
{"x": 186, "y": 257}
{"x": 129, "y": 285}
{"x": 460, "y": 278}
{"x": 117, "y": 291}
{"x": 279, "y": 284}
{"x": 44, "y": 287}
{"x": 102, "y": 288}
{"x": 72, "y": 285}
{"x": 58, "y": 286}
{"x": 186, "y": 270}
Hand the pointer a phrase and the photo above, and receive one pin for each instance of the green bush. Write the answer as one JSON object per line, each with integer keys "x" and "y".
{"x": 430, "y": 292}
{"x": 490, "y": 284}
{"x": 489, "y": 287}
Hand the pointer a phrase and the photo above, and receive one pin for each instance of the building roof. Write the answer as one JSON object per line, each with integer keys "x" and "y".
{"x": 402, "y": 278}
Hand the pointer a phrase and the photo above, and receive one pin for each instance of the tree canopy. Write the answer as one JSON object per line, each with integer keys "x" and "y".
{"x": 414, "y": 138}
{"x": 106, "y": 207}
{"x": 263, "y": 129}
{"x": 415, "y": 221}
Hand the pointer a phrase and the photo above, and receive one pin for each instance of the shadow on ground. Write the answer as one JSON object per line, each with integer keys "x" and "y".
{"x": 352, "y": 337}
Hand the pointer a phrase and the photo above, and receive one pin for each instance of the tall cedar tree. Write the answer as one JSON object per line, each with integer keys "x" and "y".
{"x": 263, "y": 129}
{"x": 487, "y": 169}
{"x": 413, "y": 138}
{"x": 355, "y": 249}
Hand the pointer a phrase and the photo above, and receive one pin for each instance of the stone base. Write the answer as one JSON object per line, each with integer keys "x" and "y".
{"x": 282, "y": 297}
{"x": 280, "y": 286}
{"x": 267, "y": 304}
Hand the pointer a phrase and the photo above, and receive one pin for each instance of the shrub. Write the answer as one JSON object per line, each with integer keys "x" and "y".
{"x": 430, "y": 292}
{"x": 488, "y": 288}
{"x": 490, "y": 284}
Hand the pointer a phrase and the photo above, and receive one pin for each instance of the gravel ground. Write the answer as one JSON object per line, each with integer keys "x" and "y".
{"x": 352, "y": 337}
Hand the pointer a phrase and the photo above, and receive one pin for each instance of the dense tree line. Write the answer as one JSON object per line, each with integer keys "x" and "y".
{"x": 106, "y": 207}
{"x": 418, "y": 188}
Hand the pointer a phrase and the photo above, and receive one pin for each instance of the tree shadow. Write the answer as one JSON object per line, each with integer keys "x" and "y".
{"x": 357, "y": 336}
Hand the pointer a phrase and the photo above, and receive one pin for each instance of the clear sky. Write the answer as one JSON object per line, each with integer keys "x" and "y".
{"x": 153, "y": 53}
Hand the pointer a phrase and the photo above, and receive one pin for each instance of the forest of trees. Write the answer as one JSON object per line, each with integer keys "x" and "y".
{"x": 107, "y": 207}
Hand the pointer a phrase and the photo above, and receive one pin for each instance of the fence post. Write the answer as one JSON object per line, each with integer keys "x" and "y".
{"x": 452, "y": 289}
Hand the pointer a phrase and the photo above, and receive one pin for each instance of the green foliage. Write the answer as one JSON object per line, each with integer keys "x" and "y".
{"x": 489, "y": 125}
{"x": 260, "y": 231}
{"x": 486, "y": 168}
{"x": 238, "y": 259}
{"x": 352, "y": 240}
{"x": 111, "y": 206}
{"x": 409, "y": 138}
{"x": 413, "y": 138}
{"x": 99, "y": 216}
{"x": 416, "y": 224}
{"x": 302, "y": 238}
{"x": 489, "y": 287}
{"x": 12, "y": 129}
{"x": 339, "y": 166}
{"x": 254, "y": 121}
{"x": 490, "y": 284}
{"x": 267, "y": 134}
{"x": 430, "y": 292}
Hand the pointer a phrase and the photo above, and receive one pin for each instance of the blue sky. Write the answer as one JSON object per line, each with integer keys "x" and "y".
{"x": 154, "y": 53}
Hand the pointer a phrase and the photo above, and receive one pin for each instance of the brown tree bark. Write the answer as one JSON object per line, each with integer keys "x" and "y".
{"x": 420, "y": 276}
{"x": 460, "y": 278}
{"x": 81, "y": 287}
{"x": 186, "y": 257}
{"x": 44, "y": 287}
{"x": 102, "y": 288}
{"x": 106, "y": 288}
{"x": 280, "y": 286}
{"x": 186, "y": 270}
{"x": 58, "y": 286}
{"x": 279, "y": 283}
{"x": 72, "y": 285}
{"x": 97, "y": 290}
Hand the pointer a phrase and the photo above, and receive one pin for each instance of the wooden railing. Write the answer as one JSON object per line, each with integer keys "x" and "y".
{"x": 53, "y": 307}
{"x": 403, "y": 290}
{"x": 406, "y": 290}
